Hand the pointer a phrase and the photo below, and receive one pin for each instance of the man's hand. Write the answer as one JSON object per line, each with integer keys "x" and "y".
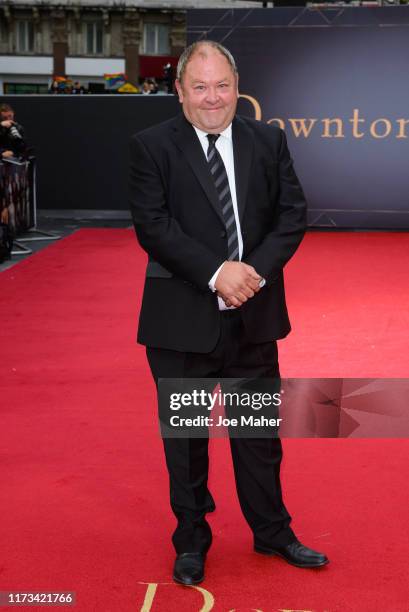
{"x": 7, "y": 123}
{"x": 7, "y": 154}
{"x": 226, "y": 301}
{"x": 237, "y": 282}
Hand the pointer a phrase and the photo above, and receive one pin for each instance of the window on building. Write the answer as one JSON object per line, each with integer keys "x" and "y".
{"x": 95, "y": 35}
{"x": 3, "y": 30}
{"x": 25, "y": 36}
{"x": 156, "y": 39}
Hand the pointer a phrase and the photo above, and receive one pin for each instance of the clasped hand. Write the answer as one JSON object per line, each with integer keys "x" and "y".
{"x": 237, "y": 282}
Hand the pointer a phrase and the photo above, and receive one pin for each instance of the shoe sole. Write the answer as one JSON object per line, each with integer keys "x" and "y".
{"x": 192, "y": 583}
{"x": 277, "y": 554}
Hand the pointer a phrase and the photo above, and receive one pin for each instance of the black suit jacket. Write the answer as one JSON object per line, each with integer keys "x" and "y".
{"x": 178, "y": 221}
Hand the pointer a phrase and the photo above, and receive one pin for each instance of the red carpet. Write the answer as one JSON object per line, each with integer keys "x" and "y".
{"x": 83, "y": 488}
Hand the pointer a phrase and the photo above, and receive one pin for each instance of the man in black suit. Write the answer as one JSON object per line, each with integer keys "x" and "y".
{"x": 217, "y": 206}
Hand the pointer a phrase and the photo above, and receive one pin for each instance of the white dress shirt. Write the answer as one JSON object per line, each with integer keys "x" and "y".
{"x": 224, "y": 145}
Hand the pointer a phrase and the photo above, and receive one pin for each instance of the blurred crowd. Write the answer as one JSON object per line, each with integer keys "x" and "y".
{"x": 77, "y": 88}
{"x": 147, "y": 87}
{"x": 116, "y": 83}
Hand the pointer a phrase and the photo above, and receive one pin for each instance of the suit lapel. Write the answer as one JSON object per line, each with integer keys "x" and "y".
{"x": 185, "y": 138}
{"x": 243, "y": 151}
{"x": 188, "y": 143}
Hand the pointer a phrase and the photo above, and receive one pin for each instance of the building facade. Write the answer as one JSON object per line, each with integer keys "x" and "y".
{"x": 83, "y": 40}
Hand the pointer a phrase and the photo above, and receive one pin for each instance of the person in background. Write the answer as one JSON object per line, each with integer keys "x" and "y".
{"x": 54, "y": 89}
{"x": 12, "y": 142}
{"x": 78, "y": 88}
{"x": 146, "y": 88}
{"x": 153, "y": 85}
{"x": 168, "y": 71}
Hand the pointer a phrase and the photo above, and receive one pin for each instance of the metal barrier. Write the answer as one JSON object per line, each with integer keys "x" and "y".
{"x": 18, "y": 196}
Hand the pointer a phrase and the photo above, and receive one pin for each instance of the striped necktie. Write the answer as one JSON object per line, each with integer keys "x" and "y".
{"x": 221, "y": 182}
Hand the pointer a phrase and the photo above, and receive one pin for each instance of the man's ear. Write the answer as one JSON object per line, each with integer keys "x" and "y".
{"x": 178, "y": 86}
{"x": 237, "y": 84}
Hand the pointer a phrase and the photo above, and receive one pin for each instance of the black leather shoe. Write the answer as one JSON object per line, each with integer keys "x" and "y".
{"x": 296, "y": 554}
{"x": 189, "y": 568}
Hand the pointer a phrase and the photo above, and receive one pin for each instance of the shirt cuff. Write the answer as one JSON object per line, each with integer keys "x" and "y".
{"x": 212, "y": 281}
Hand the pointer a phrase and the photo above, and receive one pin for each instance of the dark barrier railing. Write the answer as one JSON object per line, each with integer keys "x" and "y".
{"x": 17, "y": 193}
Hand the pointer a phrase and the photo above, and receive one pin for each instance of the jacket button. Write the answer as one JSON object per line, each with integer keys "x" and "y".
{"x": 223, "y": 234}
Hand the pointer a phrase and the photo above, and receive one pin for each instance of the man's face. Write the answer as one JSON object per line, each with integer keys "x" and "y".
{"x": 208, "y": 91}
{"x": 7, "y": 116}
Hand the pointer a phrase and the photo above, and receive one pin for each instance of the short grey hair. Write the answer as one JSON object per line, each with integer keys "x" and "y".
{"x": 195, "y": 48}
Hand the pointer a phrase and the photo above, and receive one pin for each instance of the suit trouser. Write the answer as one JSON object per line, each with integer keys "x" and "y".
{"x": 256, "y": 461}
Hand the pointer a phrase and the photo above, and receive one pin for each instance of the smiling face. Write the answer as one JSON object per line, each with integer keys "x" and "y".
{"x": 208, "y": 90}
